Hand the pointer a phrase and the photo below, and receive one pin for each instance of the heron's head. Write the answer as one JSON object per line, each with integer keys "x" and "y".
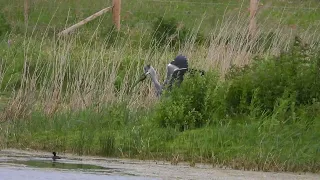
{"x": 149, "y": 70}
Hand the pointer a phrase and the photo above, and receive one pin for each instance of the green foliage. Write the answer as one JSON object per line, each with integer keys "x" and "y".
{"x": 116, "y": 132}
{"x": 107, "y": 144}
{"x": 4, "y": 25}
{"x": 166, "y": 30}
{"x": 170, "y": 31}
{"x": 264, "y": 116}
{"x": 128, "y": 66}
{"x": 275, "y": 86}
{"x": 265, "y": 41}
{"x": 185, "y": 107}
{"x": 244, "y": 41}
{"x": 111, "y": 36}
{"x": 16, "y": 61}
{"x": 12, "y": 59}
{"x": 267, "y": 79}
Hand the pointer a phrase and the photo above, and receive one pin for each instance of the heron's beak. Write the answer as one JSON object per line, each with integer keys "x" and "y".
{"x": 147, "y": 73}
{"x": 142, "y": 77}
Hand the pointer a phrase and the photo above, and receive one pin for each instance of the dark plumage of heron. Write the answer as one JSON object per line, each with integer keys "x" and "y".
{"x": 175, "y": 73}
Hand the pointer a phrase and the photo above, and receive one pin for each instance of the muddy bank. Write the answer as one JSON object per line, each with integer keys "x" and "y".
{"x": 127, "y": 168}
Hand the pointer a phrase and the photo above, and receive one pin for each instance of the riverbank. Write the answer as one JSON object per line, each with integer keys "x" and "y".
{"x": 145, "y": 169}
{"x": 256, "y": 108}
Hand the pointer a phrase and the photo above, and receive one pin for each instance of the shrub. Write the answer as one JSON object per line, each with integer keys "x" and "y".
{"x": 185, "y": 107}
{"x": 293, "y": 72}
{"x": 169, "y": 31}
{"x": 272, "y": 86}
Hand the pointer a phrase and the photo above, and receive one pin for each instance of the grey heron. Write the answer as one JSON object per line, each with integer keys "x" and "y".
{"x": 175, "y": 73}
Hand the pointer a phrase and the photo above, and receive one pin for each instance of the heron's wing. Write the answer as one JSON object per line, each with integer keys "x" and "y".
{"x": 178, "y": 75}
{"x": 170, "y": 70}
{"x": 180, "y": 61}
{"x": 176, "y": 70}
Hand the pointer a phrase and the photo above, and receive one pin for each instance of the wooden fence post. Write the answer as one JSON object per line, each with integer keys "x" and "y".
{"x": 85, "y": 21}
{"x": 116, "y": 10}
{"x": 26, "y": 12}
{"x": 253, "y": 12}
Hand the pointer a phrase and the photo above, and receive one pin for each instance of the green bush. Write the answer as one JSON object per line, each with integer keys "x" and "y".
{"x": 294, "y": 72}
{"x": 169, "y": 31}
{"x": 185, "y": 107}
{"x": 272, "y": 86}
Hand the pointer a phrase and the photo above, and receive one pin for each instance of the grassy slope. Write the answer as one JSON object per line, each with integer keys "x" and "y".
{"x": 251, "y": 144}
{"x": 139, "y": 14}
{"x": 240, "y": 143}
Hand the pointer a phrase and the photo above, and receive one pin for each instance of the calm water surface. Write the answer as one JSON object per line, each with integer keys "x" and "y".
{"x": 18, "y": 166}
{"x": 24, "y": 173}
{"x": 34, "y": 165}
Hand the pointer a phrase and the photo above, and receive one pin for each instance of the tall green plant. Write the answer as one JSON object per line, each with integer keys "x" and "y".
{"x": 295, "y": 71}
{"x": 184, "y": 107}
{"x": 4, "y": 25}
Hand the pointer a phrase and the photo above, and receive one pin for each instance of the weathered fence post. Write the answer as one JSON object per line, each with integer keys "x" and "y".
{"x": 83, "y": 22}
{"x": 26, "y": 12}
{"x": 116, "y": 10}
{"x": 253, "y": 12}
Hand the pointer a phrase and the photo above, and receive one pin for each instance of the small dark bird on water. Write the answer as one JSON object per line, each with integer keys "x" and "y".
{"x": 54, "y": 157}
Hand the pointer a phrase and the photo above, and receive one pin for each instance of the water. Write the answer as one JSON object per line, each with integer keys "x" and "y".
{"x": 17, "y": 166}
{"x": 57, "y": 165}
{"x": 25, "y": 165}
{"x": 14, "y": 173}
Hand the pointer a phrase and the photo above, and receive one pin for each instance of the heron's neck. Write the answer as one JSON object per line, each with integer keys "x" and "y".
{"x": 156, "y": 84}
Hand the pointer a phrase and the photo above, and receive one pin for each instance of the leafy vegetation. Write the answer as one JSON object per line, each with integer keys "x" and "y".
{"x": 4, "y": 26}
{"x": 252, "y": 120}
{"x": 169, "y": 31}
{"x": 257, "y": 106}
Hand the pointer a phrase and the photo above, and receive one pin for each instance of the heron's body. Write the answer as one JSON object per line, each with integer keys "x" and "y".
{"x": 175, "y": 73}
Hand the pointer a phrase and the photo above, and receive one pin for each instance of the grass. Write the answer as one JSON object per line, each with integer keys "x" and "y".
{"x": 76, "y": 94}
{"x": 236, "y": 143}
{"x": 141, "y": 14}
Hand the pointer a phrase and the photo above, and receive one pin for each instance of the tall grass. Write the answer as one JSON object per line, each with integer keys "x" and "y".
{"x": 67, "y": 74}
{"x": 69, "y": 95}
